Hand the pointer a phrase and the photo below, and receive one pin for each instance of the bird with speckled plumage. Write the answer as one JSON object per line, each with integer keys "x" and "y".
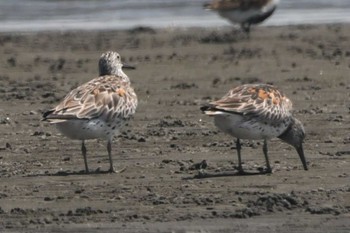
{"x": 99, "y": 108}
{"x": 257, "y": 112}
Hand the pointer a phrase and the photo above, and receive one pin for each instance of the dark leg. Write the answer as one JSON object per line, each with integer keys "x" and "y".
{"x": 109, "y": 149}
{"x": 268, "y": 167}
{"x": 83, "y": 150}
{"x": 246, "y": 28}
{"x": 238, "y": 148}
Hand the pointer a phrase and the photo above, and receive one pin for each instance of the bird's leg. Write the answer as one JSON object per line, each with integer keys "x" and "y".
{"x": 268, "y": 167}
{"x": 83, "y": 150}
{"x": 246, "y": 28}
{"x": 109, "y": 149}
{"x": 238, "y": 148}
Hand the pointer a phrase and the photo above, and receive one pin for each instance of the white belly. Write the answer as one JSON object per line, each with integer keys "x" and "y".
{"x": 92, "y": 129}
{"x": 239, "y": 127}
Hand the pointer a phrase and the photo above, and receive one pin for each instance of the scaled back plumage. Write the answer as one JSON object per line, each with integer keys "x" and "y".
{"x": 105, "y": 97}
{"x": 255, "y": 100}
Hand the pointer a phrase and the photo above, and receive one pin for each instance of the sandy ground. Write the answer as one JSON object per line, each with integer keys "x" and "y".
{"x": 43, "y": 189}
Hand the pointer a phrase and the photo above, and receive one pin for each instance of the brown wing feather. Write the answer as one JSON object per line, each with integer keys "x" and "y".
{"x": 258, "y": 100}
{"x": 103, "y": 97}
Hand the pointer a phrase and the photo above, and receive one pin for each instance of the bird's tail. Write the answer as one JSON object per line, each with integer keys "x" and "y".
{"x": 210, "y": 110}
{"x": 46, "y": 115}
{"x": 52, "y": 118}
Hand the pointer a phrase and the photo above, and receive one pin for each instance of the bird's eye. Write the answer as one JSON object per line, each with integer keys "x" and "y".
{"x": 118, "y": 57}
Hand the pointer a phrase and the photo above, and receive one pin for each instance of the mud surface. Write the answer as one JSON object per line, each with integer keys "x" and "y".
{"x": 42, "y": 184}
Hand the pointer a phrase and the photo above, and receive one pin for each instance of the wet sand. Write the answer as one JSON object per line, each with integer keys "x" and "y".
{"x": 42, "y": 185}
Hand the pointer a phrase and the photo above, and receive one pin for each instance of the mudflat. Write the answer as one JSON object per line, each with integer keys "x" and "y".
{"x": 42, "y": 184}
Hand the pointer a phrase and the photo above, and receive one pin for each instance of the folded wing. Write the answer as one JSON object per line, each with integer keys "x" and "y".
{"x": 105, "y": 97}
{"x": 260, "y": 101}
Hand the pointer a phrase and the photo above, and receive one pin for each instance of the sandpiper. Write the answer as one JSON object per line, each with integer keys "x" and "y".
{"x": 98, "y": 108}
{"x": 257, "y": 111}
{"x": 243, "y": 12}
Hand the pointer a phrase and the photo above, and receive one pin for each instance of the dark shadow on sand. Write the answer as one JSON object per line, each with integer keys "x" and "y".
{"x": 73, "y": 173}
{"x": 204, "y": 175}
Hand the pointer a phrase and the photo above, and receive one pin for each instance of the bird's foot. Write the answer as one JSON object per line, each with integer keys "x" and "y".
{"x": 199, "y": 166}
{"x": 240, "y": 170}
{"x": 267, "y": 170}
{"x": 201, "y": 174}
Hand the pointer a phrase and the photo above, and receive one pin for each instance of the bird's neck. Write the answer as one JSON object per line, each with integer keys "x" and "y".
{"x": 123, "y": 75}
{"x": 294, "y": 133}
{"x": 115, "y": 71}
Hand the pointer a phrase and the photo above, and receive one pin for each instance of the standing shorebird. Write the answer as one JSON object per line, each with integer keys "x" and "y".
{"x": 98, "y": 108}
{"x": 244, "y": 12}
{"x": 257, "y": 111}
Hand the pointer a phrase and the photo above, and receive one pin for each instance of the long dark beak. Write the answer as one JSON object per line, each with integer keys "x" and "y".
{"x": 127, "y": 66}
{"x": 302, "y": 156}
